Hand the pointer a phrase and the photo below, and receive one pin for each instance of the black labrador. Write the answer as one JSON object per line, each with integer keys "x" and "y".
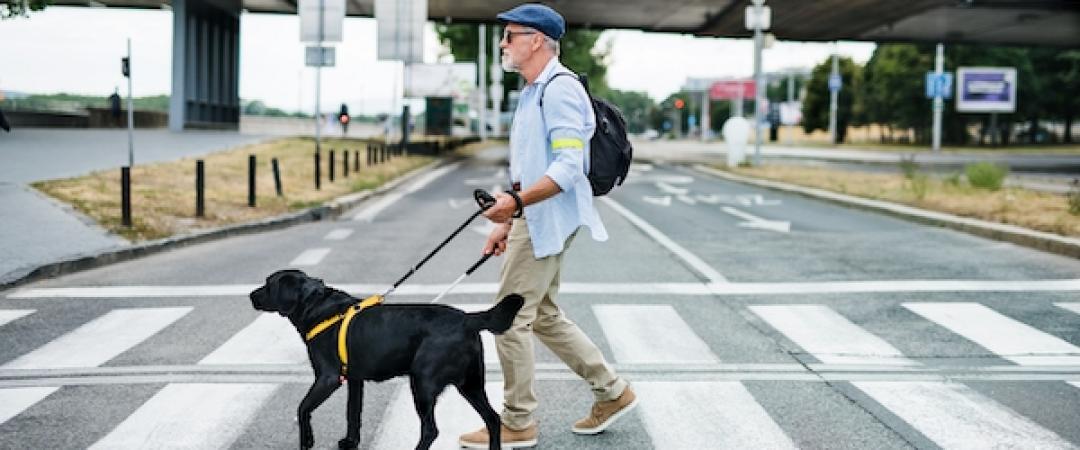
{"x": 435, "y": 345}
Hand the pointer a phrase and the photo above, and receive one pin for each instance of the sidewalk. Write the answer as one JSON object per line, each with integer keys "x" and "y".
{"x": 1041, "y": 172}
{"x": 38, "y": 230}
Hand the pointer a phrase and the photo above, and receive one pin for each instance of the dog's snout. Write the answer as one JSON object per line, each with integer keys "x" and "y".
{"x": 256, "y": 297}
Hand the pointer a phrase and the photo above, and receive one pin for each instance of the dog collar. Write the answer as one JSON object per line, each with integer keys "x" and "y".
{"x": 347, "y": 316}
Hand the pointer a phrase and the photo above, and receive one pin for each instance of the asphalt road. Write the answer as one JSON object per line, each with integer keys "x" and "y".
{"x": 744, "y": 318}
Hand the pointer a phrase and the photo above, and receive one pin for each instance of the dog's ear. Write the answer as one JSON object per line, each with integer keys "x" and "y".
{"x": 284, "y": 289}
{"x": 311, "y": 288}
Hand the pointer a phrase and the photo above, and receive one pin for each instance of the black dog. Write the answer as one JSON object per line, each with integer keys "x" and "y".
{"x": 435, "y": 345}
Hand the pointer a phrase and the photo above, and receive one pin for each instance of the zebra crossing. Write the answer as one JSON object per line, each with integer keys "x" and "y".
{"x": 674, "y": 413}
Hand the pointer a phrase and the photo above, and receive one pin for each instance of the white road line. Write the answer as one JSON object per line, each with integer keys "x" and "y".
{"x": 753, "y": 221}
{"x": 310, "y": 257}
{"x": 829, "y": 336}
{"x": 99, "y": 340}
{"x": 1002, "y": 335}
{"x": 368, "y": 214}
{"x": 488, "y": 339}
{"x": 827, "y": 287}
{"x": 646, "y": 334}
{"x": 693, "y": 415}
{"x": 269, "y": 339}
{"x": 1074, "y": 307}
{"x": 11, "y": 315}
{"x": 339, "y": 234}
{"x": 190, "y": 416}
{"x": 956, "y": 417}
{"x": 400, "y": 428}
{"x": 704, "y": 269}
{"x": 15, "y": 400}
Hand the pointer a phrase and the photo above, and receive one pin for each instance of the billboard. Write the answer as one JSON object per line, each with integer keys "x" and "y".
{"x": 457, "y": 80}
{"x": 986, "y": 89}
{"x": 400, "y": 29}
{"x": 732, "y": 89}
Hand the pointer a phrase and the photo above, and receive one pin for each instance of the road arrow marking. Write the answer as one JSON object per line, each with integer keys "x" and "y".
{"x": 662, "y": 201}
{"x": 669, "y": 189}
{"x": 687, "y": 199}
{"x": 711, "y": 199}
{"x": 753, "y": 221}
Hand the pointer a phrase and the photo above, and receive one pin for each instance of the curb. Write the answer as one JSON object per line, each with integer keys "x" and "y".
{"x": 329, "y": 210}
{"x": 1038, "y": 240}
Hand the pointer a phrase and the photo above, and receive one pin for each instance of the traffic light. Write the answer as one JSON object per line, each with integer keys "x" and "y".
{"x": 679, "y": 103}
{"x": 125, "y": 66}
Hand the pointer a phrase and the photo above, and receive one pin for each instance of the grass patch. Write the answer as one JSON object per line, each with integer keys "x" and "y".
{"x": 1030, "y": 209}
{"x": 163, "y": 194}
{"x": 986, "y": 175}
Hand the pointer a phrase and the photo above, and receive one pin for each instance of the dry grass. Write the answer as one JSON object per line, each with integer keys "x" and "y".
{"x": 163, "y": 194}
{"x": 1022, "y": 207}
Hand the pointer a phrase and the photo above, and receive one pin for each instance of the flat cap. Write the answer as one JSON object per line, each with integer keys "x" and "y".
{"x": 537, "y": 16}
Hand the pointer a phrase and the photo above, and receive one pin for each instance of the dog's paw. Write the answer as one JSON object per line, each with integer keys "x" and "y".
{"x": 347, "y": 444}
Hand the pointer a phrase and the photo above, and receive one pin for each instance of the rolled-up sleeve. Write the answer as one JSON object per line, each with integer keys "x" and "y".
{"x": 565, "y": 108}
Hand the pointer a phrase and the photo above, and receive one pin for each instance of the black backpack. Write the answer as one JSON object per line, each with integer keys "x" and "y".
{"x": 610, "y": 151}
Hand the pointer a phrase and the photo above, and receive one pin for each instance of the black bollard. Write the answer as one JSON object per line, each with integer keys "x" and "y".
{"x": 356, "y": 161}
{"x": 200, "y": 188}
{"x": 332, "y": 164}
{"x": 125, "y": 196}
{"x": 277, "y": 176}
{"x": 345, "y": 163}
{"x": 369, "y": 155}
{"x": 318, "y": 168}
{"x": 251, "y": 181}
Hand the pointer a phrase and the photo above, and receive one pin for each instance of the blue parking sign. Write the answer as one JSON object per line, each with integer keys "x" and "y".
{"x": 835, "y": 82}
{"x": 939, "y": 85}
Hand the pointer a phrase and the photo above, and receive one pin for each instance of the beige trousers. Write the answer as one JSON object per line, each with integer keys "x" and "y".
{"x": 538, "y": 281}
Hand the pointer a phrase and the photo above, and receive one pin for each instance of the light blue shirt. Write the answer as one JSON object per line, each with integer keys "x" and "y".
{"x": 566, "y": 118}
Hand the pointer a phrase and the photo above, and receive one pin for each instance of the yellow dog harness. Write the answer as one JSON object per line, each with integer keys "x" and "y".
{"x": 344, "y": 318}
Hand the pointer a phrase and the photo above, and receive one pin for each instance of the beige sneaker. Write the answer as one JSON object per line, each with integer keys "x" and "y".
{"x": 510, "y": 438}
{"x": 604, "y": 414}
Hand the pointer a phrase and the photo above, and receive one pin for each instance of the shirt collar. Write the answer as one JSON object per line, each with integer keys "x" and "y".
{"x": 553, "y": 66}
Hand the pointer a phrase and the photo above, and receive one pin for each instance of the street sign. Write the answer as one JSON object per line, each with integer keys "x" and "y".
{"x": 732, "y": 89}
{"x": 752, "y": 19}
{"x": 986, "y": 89}
{"x": 400, "y": 29}
{"x": 333, "y": 16}
{"x": 835, "y": 83}
{"x": 319, "y": 56}
{"x": 939, "y": 85}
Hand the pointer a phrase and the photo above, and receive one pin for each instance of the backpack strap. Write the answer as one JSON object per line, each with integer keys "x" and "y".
{"x": 553, "y": 77}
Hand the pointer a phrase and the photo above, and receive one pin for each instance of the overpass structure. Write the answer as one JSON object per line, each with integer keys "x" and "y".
{"x": 206, "y": 32}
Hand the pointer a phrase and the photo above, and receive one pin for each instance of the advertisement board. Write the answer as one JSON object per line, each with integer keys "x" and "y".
{"x": 986, "y": 89}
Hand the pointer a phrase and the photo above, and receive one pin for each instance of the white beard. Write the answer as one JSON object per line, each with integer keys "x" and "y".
{"x": 508, "y": 64}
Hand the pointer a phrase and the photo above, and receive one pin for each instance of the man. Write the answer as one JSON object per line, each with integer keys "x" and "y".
{"x": 548, "y": 160}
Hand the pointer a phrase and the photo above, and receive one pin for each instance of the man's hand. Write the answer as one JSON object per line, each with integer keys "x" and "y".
{"x": 503, "y": 210}
{"x": 496, "y": 241}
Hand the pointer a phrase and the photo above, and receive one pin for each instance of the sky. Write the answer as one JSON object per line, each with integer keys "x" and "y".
{"x": 78, "y": 50}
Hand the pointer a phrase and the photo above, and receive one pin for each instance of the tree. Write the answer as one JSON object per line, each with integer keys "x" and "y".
{"x": 20, "y": 8}
{"x": 816, "y": 104}
{"x": 577, "y": 52}
{"x": 636, "y": 108}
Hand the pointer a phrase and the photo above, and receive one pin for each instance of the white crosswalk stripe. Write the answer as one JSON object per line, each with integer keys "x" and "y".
{"x": 1074, "y": 307}
{"x": 693, "y": 415}
{"x": 170, "y": 420}
{"x": 952, "y": 415}
{"x": 11, "y": 315}
{"x": 189, "y": 416}
{"x": 956, "y": 417}
{"x": 648, "y": 334}
{"x": 1005, "y": 336}
{"x": 100, "y": 339}
{"x": 844, "y": 343}
{"x": 400, "y": 427}
{"x": 338, "y": 234}
{"x": 89, "y": 345}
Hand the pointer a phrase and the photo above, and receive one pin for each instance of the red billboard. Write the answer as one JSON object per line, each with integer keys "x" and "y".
{"x": 732, "y": 89}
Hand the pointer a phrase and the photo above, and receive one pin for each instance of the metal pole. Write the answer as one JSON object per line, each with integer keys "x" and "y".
{"x": 834, "y": 95}
{"x": 482, "y": 56}
{"x": 939, "y": 103}
{"x": 131, "y": 113}
{"x": 318, "y": 81}
{"x": 705, "y": 115}
{"x": 759, "y": 82}
{"x": 791, "y": 100}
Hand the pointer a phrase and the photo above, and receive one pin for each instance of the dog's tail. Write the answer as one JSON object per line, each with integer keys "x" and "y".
{"x": 498, "y": 318}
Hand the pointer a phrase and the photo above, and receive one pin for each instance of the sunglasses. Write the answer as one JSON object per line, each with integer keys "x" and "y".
{"x": 509, "y": 35}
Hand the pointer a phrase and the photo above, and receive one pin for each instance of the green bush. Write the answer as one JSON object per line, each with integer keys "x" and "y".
{"x": 986, "y": 175}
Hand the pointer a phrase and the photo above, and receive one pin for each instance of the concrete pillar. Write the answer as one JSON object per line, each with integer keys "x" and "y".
{"x": 205, "y": 61}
